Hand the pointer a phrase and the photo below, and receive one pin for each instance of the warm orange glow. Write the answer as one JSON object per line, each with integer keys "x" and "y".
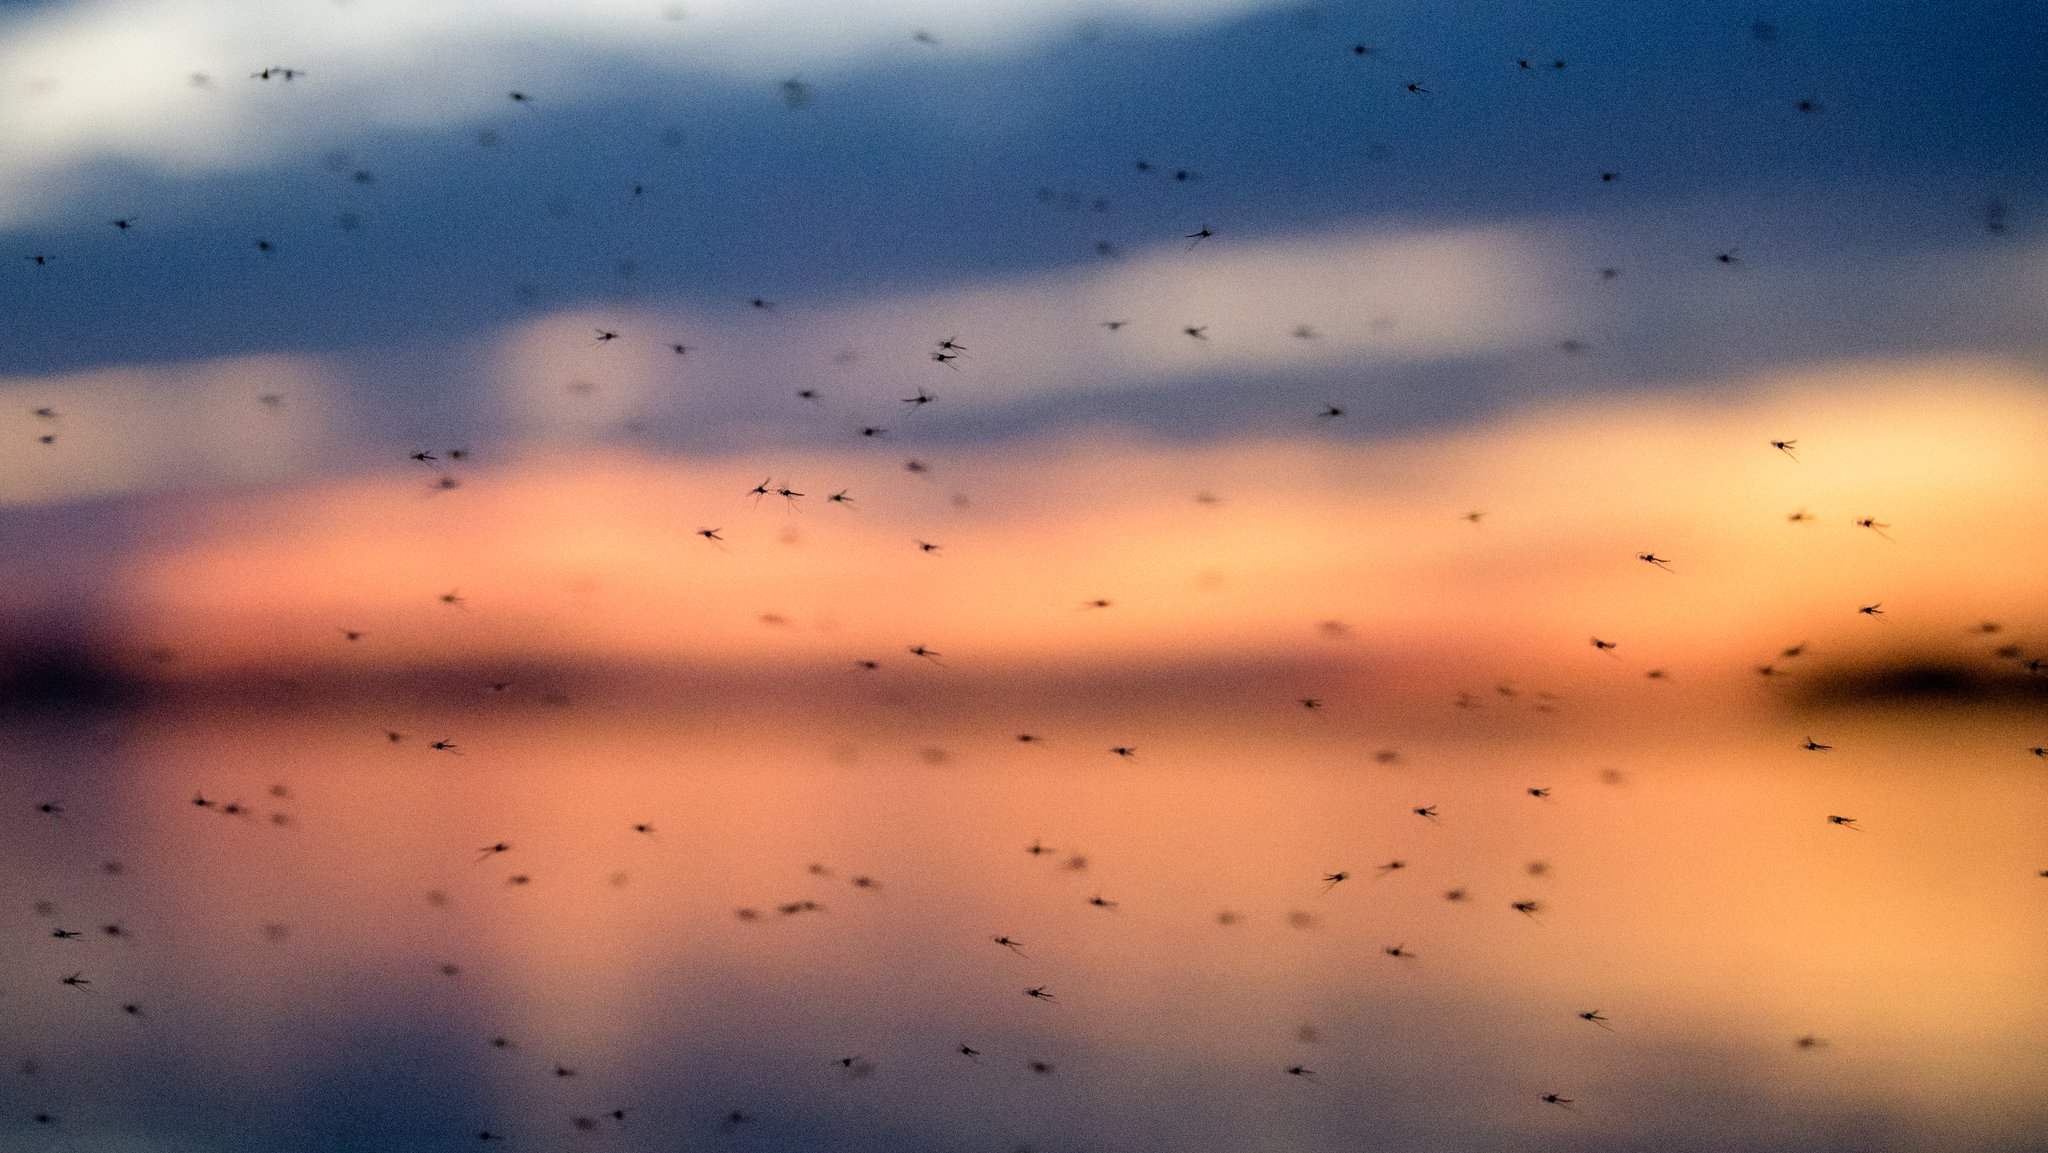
{"x": 593, "y": 554}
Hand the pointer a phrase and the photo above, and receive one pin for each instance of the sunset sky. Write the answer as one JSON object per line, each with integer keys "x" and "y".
{"x": 747, "y": 419}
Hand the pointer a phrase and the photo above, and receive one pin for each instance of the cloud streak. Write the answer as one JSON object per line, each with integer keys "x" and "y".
{"x": 167, "y": 86}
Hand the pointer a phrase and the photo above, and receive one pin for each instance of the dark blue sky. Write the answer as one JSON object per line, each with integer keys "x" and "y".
{"x": 928, "y": 167}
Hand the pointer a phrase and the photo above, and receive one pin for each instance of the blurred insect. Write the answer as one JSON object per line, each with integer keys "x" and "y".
{"x": 1788, "y": 447}
{"x": 1334, "y": 879}
{"x": 1845, "y": 822}
{"x": 1873, "y": 525}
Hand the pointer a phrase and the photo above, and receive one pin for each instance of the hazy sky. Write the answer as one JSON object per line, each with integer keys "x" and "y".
{"x": 672, "y": 163}
{"x": 655, "y": 531}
